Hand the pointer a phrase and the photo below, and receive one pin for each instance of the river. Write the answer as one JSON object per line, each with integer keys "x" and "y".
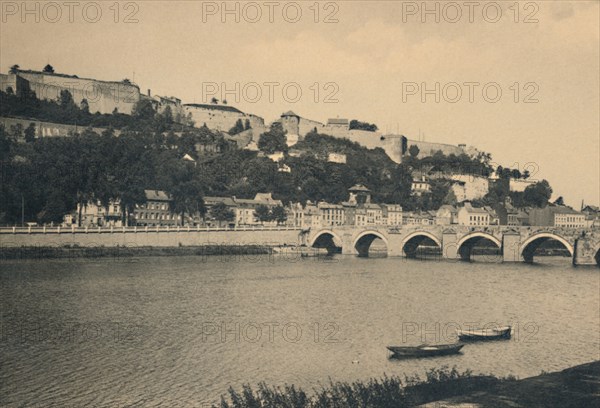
{"x": 178, "y": 331}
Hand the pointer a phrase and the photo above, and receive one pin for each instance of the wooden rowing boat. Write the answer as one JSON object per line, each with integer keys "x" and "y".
{"x": 425, "y": 350}
{"x": 495, "y": 333}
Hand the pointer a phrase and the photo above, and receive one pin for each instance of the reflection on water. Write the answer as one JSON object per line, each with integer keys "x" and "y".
{"x": 180, "y": 331}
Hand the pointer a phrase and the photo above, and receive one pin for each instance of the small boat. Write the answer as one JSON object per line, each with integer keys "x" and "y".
{"x": 495, "y": 333}
{"x": 425, "y": 350}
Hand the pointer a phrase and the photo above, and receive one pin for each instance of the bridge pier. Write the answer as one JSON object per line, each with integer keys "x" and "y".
{"x": 585, "y": 252}
{"x": 511, "y": 247}
{"x": 449, "y": 245}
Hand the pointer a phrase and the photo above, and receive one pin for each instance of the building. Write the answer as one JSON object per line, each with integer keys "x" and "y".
{"x": 245, "y": 209}
{"x": 446, "y": 215}
{"x": 156, "y": 211}
{"x": 94, "y": 214}
{"x": 507, "y": 214}
{"x": 557, "y": 216}
{"x": 519, "y": 185}
{"x": 359, "y": 194}
{"x": 312, "y": 216}
{"x": 368, "y": 214}
{"x": 336, "y": 158}
{"x": 420, "y": 183}
{"x": 592, "y": 213}
{"x": 337, "y": 123}
{"x": 418, "y": 218}
{"x": 471, "y": 216}
{"x": 469, "y": 187}
{"x": 331, "y": 214}
{"x": 392, "y": 214}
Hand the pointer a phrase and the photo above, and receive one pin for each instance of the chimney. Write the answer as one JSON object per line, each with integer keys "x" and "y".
{"x": 149, "y": 92}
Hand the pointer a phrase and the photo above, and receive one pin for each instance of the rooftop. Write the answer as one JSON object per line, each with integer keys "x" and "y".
{"x": 156, "y": 195}
{"x": 213, "y": 107}
{"x": 359, "y": 187}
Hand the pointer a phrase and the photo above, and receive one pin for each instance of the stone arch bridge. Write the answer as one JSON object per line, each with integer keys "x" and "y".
{"x": 514, "y": 244}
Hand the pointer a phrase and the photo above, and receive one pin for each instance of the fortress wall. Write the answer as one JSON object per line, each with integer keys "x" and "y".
{"x": 429, "y": 148}
{"x": 102, "y": 96}
{"x": 307, "y": 126}
{"x": 220, "y": 119}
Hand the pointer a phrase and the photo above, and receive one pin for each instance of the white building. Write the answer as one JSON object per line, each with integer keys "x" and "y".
{"x": 468, "y": 215}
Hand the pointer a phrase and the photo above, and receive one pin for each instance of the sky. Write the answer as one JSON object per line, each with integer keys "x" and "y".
{"x": 520, "y": 80}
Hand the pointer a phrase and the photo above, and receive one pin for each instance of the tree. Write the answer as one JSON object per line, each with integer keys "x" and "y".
{"x": 85, "y": 106}
{"x": 237, "y": 128}
{"x": 356, "y": 124}
{"x": 143, "y": 110}
{"x": 413, "y": 150}
{"x": 30, "y": 133}
{"x": 14, "y": 69}
{"x": 66, "y": 100}
{"x": 214, "y": 101}
{"x": 273, "y": 140}
{"x": 559, "y": 201}
{"x": 263, "y": 213}
{"x": 221, "y": 212}
{"x": 279, "y": 214}
{"x": 49, "y": 69}
{"x": 187, "y": 198}
{"x": 538, "y": 194}
{"x": 168, "y": 115}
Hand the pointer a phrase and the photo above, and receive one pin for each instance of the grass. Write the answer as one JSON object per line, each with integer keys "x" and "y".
{"x": 385, "y": 392}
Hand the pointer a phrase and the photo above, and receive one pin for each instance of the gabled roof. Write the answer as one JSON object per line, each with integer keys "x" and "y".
{"x": 289, "y": 113}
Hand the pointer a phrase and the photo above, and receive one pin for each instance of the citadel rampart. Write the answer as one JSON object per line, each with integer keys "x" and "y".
{"x": 219, "y": 117}
{"x": 102, "y": 96}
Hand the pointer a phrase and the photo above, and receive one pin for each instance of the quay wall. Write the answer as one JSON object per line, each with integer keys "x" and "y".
{"x": 150, "y": 238}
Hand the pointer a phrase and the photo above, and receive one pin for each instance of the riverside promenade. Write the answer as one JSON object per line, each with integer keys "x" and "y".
{"x": 148, "y": 236}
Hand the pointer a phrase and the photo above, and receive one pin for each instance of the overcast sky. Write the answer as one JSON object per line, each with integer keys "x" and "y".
{"x": 369, "y": 61}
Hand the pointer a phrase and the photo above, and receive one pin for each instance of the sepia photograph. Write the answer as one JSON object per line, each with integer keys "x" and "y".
{"x": 300, "y": 204}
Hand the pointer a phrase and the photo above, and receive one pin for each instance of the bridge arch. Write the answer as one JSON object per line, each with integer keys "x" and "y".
{"x": 412, "y": 241}
{"x": 364, "y": 239}
{"x": 529, "y": 246}
{"x": 326, "y": 239}
{"x": 466, "y": 244}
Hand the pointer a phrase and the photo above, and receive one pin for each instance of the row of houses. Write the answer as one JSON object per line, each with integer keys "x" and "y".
{"x": 357, "y": 211}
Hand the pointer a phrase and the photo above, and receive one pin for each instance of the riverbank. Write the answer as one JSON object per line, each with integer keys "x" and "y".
{"x": 577, "y": 386}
